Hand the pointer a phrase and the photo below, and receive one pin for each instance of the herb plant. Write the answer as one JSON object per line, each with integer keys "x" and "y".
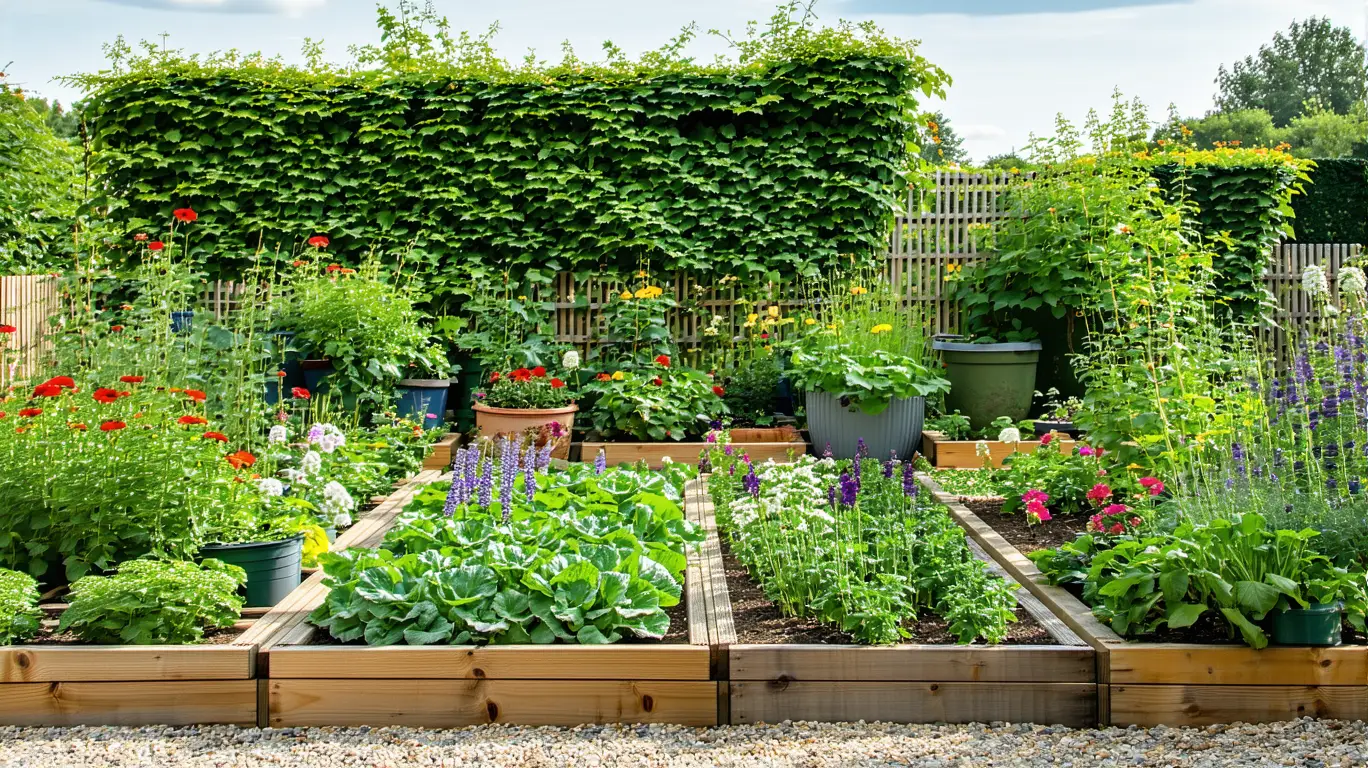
{"x": 152, "y": 602}
{"x": 526, "y": 388}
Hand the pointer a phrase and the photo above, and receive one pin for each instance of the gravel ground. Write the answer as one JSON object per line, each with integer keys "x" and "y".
{"x": 1302, "y": 743}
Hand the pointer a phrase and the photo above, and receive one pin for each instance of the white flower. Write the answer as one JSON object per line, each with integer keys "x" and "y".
{"x": 269, "y": 486}
{"x": 570, "y": 360}
{"x": 1151, "y": 550}
{"x": 342, "y": 520}
{"x": 1352, "y": 282}
{"x": 311, "y": 463}
{"x": 1331, "y": 310}
{"x": 1177, "y": 554}
{"x": 329, "y": 443}
{"x": 1314, "y": 281}
{"x": 1009, "y": 435}
{"x": 981, "y": 449}
{"x": 666, "y": 461}
{"x": 292, "y": 475}
{"x": 279, "y": 434}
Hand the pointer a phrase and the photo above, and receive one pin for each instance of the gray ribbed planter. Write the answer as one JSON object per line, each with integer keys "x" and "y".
{"x": 897, "y": 429}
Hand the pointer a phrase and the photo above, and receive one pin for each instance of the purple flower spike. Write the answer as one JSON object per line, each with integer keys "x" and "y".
{"x": 472, "y": 473}
{"x": 544, "y": 457}
{"x": 850, "y": 491}
{"x": 529, "y": 474}
{"x": 861, "y": 450}
{"x": 600, "y": 462}
{"x": 831, "y": 495}
{"x": 485, "y": 487}
{"x": 909, "y": 479}
{"x": 752, "y": 483}
{"x": 453, "y": 498}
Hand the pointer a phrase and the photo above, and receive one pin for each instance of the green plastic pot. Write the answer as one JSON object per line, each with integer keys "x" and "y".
{"x": 990, "y": 380}
{"x": 273, "y": 567}
{"x": 1316, "y": 625}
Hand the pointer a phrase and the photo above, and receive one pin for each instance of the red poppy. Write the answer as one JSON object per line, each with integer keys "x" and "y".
{"x": 112, "y": 426}
{"x": 186, "y": 215}
{"x": 604, "y": 377}
{"x": 719, "y": 391}
{"x": 47, "y": 390}
{"x": 522, "y": 374}
{"x": 299, "y": 263}
{"x": 557, "y": 383}
{"x": 29, "y": 413}
{"x": 189, "y": 419}
{"x": 663, "y": 360}
{"x": 116, "y": 328}
{"x": 2, "y": 414}
{"x": 79, "y": 427}
{"x": 8, "y": 329}
{"x": 141, "y": 237}
{"x": 347, "y": 271}
{"x": 300, "y": 392}
{"x": 240, "y": 459}
{"x": 538, "y": 372}
{"x": 156, "y": 245}
{"x": 764, "y": 335}
{"x": 219, "y": 436}
{"x": 196, "y": 395}
{"x": 131, "y": 379}
{"x": 657, "y": 381}
{"x": 65, "y": 382}
{"x": 106, "y": 395}
{"x": 334, "y": 267}
{"x": 493, "y": 377}
{"x": 319, "y": 241}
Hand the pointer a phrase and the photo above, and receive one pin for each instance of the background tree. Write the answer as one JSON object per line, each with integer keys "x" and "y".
{"x": 940, "y": 144}
{"x": 63, "y": 122}
{"x": 1007, "y": 161}
{"x": 1314, "y": 62}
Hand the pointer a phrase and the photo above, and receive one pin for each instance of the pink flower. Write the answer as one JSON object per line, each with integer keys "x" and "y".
{"x": 1045, "y": 439}
{"x": 1095, "y": 523}
{"x": 1100, "y": 493}
{"x": 1135, "y": 522}
{"x": 1115, "y": 509}
{"x": 1085, "y": 450}
{"x": 1153, "y": 485}
{"x": 1035, "y": 494}
{"x": 1037, "y": 511}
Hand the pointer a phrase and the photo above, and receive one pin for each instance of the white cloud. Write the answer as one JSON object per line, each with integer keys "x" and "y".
{"x": 973, "y": 132}
{"x": 285, "y": 7}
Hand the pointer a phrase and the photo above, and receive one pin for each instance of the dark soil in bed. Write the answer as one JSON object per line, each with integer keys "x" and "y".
{"x": 48, "y": 636}
{"x": 1028, "y": 538}
{"x": 759, "y": 621}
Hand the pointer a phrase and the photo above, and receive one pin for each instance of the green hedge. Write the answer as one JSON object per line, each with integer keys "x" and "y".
{"x": 779, "y": 171}
{"x": 1334, "y": 208}
{"x": 37, "y": 189}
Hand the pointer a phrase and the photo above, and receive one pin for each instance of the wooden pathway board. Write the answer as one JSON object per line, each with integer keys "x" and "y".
{"x": 687, "y": 453}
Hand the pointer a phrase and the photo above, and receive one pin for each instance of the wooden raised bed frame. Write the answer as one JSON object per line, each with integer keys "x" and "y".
{"x": 439, "y": 457}
{"x": 963, "y": 454}
{"x": 1182, "y": 684}
{"x": 1049, "y": 684}
{"x": 762, "y": 444}
{"x": 450, "y": 686}
{"x": 65, "y": 685}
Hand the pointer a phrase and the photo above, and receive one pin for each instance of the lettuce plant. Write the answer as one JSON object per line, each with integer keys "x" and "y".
{"x": 152, "y": 602}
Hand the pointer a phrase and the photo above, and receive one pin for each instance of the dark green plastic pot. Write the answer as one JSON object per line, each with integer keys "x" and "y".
{"x": 1316, "y": 625}
{"x": 990, "y": 380}
{"x": 273, "y": 567}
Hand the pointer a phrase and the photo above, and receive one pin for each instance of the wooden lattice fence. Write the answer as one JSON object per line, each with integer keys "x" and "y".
{"x": 26, "y": 303}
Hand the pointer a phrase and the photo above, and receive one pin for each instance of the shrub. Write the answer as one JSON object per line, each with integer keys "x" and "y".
{"x": 20, "y": 618}
{"x": 151, "y": 602}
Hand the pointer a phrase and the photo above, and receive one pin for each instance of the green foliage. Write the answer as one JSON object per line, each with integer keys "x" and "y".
{"x": 20, "y": 617}
{"x": 636, "y": 328}
{"x": 868, "y": 567}
{"x": 778, "y": 163}
{"x": 1334, "y": 207}
{"x": 154, "y": 602}
{"x": 941, "y": 145}
{"x": 656, "y": 404}
{"x": 1241, "y": 127}
{"x": 38, "y": 191}
{"x": 523, "y": 388}
{"x": 592, "y": 560}
{"x": 751, "y": 388}
{"x": 955, "y": 426}
{"x": 1314, "y": 62}
{"x": 1065, "y": 477}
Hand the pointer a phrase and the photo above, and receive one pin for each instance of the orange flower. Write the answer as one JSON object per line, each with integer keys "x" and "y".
{"x": 186, "y": 215}
{"x": 190, "y": 419}
{"x": 79, "y": 427}
{"x": 240, "y": 459}
{"x": 196, "y": 395}
{"x": 219, "y": 436}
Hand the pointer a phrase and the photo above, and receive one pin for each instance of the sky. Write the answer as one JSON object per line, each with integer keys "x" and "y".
{"x": 1015, "y": 63}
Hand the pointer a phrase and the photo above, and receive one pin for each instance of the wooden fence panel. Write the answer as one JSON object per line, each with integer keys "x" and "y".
{"x": 26, "y": 302}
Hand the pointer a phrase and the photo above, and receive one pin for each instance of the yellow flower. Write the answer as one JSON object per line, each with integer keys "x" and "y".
{"x": 643, "y": 293}
{"x": 642, "y": 273}
{"x": 1133, "y": 465}
{"x": 831, "y": 327}
{"x": 809, "y": 321}
{"x": 655, "y": 291}
{"x": 773, "y": 311}
{"x": 617, "y": 376}
{"x": 881, "y": 328}
{"x": 752, "y": 317}
{"x": 769, "y": 348}
{"x": 856, "y": 290}
{"x": 522, "y": 298}
{"x": 625, "y": 295}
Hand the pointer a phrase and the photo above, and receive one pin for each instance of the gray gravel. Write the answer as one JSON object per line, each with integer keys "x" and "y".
{"x": 1309, "y": 743}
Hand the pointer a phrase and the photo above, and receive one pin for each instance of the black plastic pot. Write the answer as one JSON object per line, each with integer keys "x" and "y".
{"x": 273, "y": 567}
{"x": 1045, "y": 427}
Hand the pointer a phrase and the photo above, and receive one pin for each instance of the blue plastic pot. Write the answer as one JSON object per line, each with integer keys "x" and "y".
{"x": 181, "y": 321}
{"x": 419, "y": 398}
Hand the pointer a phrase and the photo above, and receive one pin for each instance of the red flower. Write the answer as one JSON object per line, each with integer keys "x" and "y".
{"x": 657, "y": 381}
{"x": 281, "y": 374}
{"x": 493, "y": 377}
{"x": 141, "y": 237}
{"x": 764, "y": 335}
{"x": 219, "y": 436}
{"x": 319, "y": 241}
{"x": 105, "y": 395}
{"x": 557, "y": 383}
{"x": 8, "y": 329}
{"x": 538, "y": 372}
{"x": 299, "y": 263}
{"x": 112, "y": 426}
{"x": 65, "y": 382}
{"x": 47, "y": 390}
{"x": 189, "y": 419}
{"x": 300, "y": 392}
{"x": 604, "y": 377}
{"x": 116, "y": 328}
{"x": 1046, "y": 438}
{"x": 663, "y": 360}
{"x": 334, "y": 267}
{"x": 2, "y": 414}
{"x": 719, "y": 391}
{"x": 131, "y": 379}
{"x": 156, "y": 245}
{"x": 240, "y": 459}
{"x": 1116, "y": 529}
{"x": 196, "y": 395}
{"x": 29, "y": 413}
{"x": 522, "y": 374}
{"x": 186, "y": 215}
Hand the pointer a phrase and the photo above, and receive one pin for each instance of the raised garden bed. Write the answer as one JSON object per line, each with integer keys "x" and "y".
{"x": 761, "y": 443}
{"x": 963, "y": 454}
{"x": 314, "y": 681}
{"x": 439, "y": 457}
{"x": 1190, "y": 684}
{"x": 804, "y": 671}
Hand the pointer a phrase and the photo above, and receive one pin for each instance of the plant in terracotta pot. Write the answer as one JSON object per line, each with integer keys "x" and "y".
{"x": 524, "y": 400}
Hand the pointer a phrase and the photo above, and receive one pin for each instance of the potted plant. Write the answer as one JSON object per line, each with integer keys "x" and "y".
{"x": 423, "y": 393}
{"x": 528, "y": 400}
{"x": 1059, "y": 415}
{"x": 865, "y": 367}
{"x": 989, "y": 379}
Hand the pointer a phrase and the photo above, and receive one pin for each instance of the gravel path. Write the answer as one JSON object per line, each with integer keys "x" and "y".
{"x": 1304, "y": 743}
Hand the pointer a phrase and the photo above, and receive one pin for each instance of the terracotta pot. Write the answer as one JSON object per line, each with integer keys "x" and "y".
{"x": 493, "y": 422}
